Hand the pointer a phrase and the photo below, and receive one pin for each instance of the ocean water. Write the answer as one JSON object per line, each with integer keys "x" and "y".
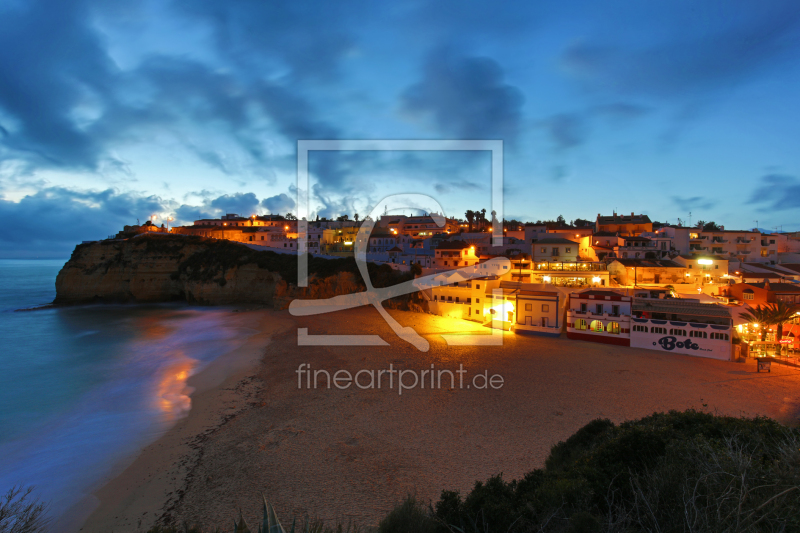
{"x": 83, "y": 388}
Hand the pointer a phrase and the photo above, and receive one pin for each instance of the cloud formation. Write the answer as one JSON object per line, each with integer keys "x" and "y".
{"x": 279, "y": 204}
{"x": 694, "y": 202}
{"x": 777, "y": 192}
{"x": 465, "y": 97}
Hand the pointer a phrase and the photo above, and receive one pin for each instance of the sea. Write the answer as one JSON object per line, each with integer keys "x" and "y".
{"x": 84, "y": 388}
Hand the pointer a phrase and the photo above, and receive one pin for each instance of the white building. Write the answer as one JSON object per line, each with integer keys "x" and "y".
{"x": 681, "y": 326}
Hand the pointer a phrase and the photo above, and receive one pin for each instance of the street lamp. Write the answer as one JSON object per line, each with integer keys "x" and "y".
{"x": 169, "y": 219}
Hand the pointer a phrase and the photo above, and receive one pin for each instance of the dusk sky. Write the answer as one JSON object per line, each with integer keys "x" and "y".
{"x": 113, "y": 111}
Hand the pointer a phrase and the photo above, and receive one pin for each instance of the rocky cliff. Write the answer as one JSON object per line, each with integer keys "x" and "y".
{"x": 160, "y": 268}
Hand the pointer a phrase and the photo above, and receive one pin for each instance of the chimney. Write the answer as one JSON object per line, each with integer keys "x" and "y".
{"x": 631, "y": 214}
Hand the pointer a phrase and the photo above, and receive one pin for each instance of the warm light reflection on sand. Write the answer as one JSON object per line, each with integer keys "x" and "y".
{"x": 173, "y": 393}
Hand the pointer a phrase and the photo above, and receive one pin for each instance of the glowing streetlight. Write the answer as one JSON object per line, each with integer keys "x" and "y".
{"x": 169, "y": 219}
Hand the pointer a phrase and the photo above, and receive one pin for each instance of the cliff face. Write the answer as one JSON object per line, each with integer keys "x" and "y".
{"x": 158, "y": 268}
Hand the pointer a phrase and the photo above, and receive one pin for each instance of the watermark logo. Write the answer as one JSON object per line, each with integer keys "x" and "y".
{"x": 401, "y": 379}
{"x": 374, "y": 296}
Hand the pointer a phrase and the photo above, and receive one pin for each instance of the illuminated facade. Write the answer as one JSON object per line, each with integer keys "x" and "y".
{"x": 602, "y": 316}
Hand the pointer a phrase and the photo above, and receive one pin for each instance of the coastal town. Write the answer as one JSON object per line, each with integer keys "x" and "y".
{"x": 700, "y": 290}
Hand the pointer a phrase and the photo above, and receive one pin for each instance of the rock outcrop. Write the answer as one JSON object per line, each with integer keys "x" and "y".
{"x": 161, "y": 268}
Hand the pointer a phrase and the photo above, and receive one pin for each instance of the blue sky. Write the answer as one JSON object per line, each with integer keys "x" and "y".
{"x": 114, "y": 111}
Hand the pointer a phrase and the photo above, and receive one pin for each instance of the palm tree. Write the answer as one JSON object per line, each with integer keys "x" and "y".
{"x": 780, "y": 313}
{"x": 758, "y": 315}
{"x": 470, "y": 214}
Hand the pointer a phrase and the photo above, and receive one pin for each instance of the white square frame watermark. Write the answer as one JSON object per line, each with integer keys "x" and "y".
{"x": 495, "y": 147}
{"x": 389, "y": 145}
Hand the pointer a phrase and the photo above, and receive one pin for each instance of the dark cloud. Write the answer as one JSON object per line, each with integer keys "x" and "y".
{"x": 244, "y": 204}
{"x": 55, "y": 219}
{"x": 279, "y": 204}
{"x": 52, "y": 63}
{"x": 702, "y": 53}
{"x": 566, "y": 130}
{"x": 465, "y": 97}
{"x": 694, "y": 202}
{"x": 307, "y": 39}
{"x": 73, "y": 107}
{"x": 777, "y": 192}
{"x": 187, "y": 214}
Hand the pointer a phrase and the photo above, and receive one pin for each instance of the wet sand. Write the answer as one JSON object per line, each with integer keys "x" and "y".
{"x": 353, "y": 454}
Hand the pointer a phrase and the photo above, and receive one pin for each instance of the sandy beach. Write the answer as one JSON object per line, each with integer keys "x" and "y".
{"x": 352, "y": 454}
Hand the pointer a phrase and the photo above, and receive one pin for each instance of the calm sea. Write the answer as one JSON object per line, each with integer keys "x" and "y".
{"x": 82, "y": 388}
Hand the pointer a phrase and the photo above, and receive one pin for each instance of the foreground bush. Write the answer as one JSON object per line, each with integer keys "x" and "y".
{"x": 675, "y": 472}
{"x": 20, "y": 512}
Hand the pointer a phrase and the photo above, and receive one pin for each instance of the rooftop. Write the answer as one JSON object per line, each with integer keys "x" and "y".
{"x": 452, "y": 245}
{"x": 679, "y": 306}
{"x": 696, "y": 257}
{"x": 777, "y": 287}
{"x": 555, "y": 240}
{"x": 660, "y": 263}
{"x": 623, "y": 219}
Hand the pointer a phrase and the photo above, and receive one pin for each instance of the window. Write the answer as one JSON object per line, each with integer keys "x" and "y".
{"x": 469, "y": 300}
{"x": 678, "y": 332}
{"x": 580, "y": 324}
{"x": 719, "y": 336}
{"x": 545, "y": 308}
{"x": 456, "y": 299}
{"x": 434, "y": 297}
{"x": 544, "y": 250}
{"x": 477, "y": 285}
{"x": 748, "y": 295}
{"x": 477, "y": 300}
{"x": 449, "y": 298}
{"x": 567, "y": 250}
{"x": 598, "y": 308}
{"x": 640, "y": 328}
{"x": 698, "y": 334}
{"x": 661, "y": 331}
{"x": 615, "y": 309}
{"x": 596, "y": 326}
{"x": 529, "y": 307}
{"x": 583, "y": 308}
{"x": 613, "y": 327}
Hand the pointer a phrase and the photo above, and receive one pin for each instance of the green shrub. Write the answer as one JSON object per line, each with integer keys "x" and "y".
{"x": 678, "y": 472}
{"x": 408, "y": 517}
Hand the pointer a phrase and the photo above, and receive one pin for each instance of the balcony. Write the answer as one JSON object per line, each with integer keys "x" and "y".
{"x": 579, "y": 266}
